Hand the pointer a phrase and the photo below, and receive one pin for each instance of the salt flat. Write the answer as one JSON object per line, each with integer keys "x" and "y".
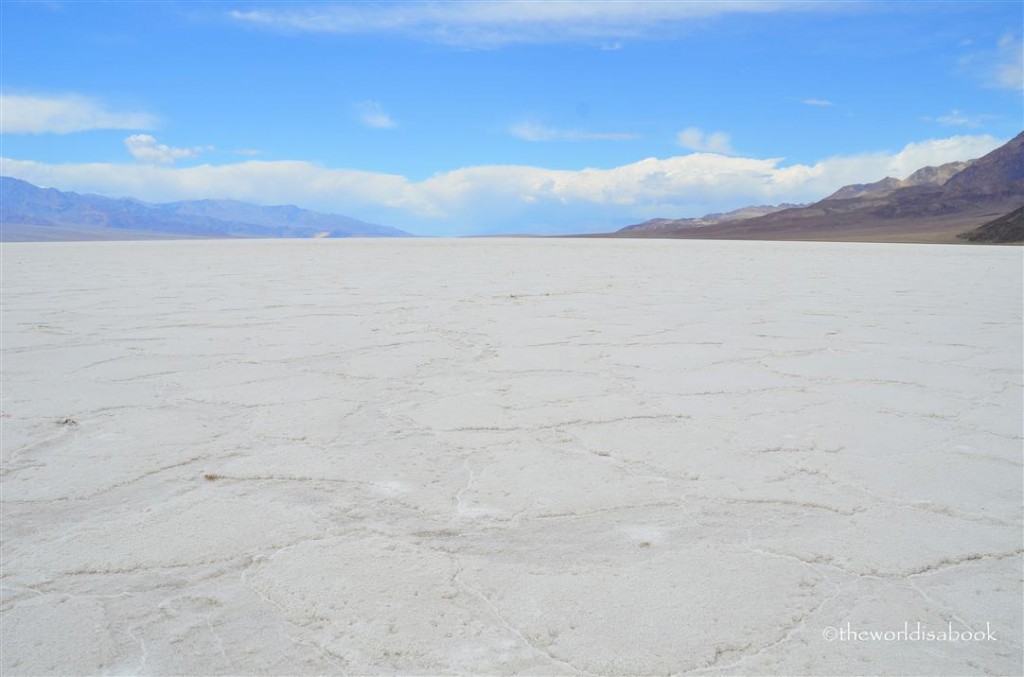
{"x": 510, "y": 456}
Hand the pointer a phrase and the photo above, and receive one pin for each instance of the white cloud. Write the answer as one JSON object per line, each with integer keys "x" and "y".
{"x": 145, "y": 148}
{"x": 693, "y": 138}
{"x": 509, "y": 198}
{"x": 817, "y": 102}
{"x": 25, "y": 114}
{"x": 957, "y": 119}
{"x": 1001, "y": 67}
{"x": 1009, "y": 67}
{"x": 372, "y": 115}
{"x": 492, "y": 23}
{"x": 532, "y": 131}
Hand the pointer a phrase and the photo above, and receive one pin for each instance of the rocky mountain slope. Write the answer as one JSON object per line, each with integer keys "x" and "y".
{"x": 878, "y": 188}
{"x": 1006, "y": 229}
{"x": 926, "y": 176}
{"x": 29, "y": 212}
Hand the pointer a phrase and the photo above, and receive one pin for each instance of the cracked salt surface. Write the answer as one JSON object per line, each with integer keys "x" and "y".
{"x": 509, "y": 457}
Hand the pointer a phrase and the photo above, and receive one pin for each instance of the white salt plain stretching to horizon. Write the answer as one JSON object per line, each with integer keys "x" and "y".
{"x": 510, "y": 457}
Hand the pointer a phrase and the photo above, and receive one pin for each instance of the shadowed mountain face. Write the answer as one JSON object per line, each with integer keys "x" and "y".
{"x": 1004, "y": 230}
{"x": 28, "y": 212}
{"x": 1000, "y": 172}
{"x": 932, "y": 205}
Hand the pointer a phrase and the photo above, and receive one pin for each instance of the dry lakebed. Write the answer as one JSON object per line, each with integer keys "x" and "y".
{"x": 511, "y": 456}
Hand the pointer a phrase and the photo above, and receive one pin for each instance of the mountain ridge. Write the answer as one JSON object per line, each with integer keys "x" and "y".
{"x": 925, "y": 176}
{"x": 30, "y": 212}
{"x": 941, "y": 203}
{"x": 710, "y": 219}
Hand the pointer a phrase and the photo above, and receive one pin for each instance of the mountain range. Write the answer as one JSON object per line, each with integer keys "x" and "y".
{"x": 669, "y": 225}
{"x": 934, "y": 204}
{"x": 28, "y": 212}
{"x": 975, "y": 201}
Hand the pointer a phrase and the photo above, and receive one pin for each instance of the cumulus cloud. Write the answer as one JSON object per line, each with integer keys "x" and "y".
{"x": 509, "y": 198}
{"x": 817, "y": 102}
{"x": 372, "y": 115}
{"x": 693, "y": 138}
{"x": 532, "y": 131}
{"x": 145, "y": 148}
{"x": 493, "y": 23}
{"x": 24, "y": 114}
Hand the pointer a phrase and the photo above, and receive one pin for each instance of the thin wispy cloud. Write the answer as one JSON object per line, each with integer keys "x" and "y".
{"x": 532, "y": 131}
{"x": 493, "y": 23}
{"x": 824, "y": 103}
{"x": 1009, "y": 67}
{"x": 27, "y": 114}
{"x": 1001, "y": 67}
{"x": 147, "y": 150}
{"x": 696, "y": 139}
{"x": 958, "y": 118}
{"x": 372, "y": 115}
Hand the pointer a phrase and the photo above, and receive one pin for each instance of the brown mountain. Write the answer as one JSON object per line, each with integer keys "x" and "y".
{"x": 988, "y": 188}
{"x": 878, "y": 188}
{"x": 935, "y": 175}
{"x": 1008, "y": 229}
{"x": 926, "y": 176}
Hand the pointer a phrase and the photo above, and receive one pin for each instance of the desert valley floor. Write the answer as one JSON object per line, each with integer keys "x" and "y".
{"x": 510, "y": 457}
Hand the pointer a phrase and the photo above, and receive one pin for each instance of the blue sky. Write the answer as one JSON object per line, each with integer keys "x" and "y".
{"x": 459, "y": 118}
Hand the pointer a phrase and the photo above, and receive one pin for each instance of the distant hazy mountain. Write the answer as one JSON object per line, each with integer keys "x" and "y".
{"x": 933, "y": 204}
{"x": 28, "y": 212}
{"x": 668, "y": 225}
